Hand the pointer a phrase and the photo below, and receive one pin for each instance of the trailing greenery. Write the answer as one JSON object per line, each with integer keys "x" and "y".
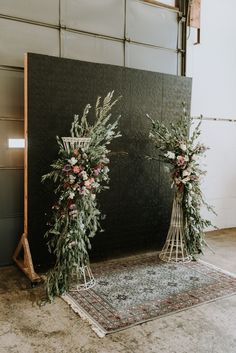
{"x": 79, "y": 174}
{"x": 182, "y": 153}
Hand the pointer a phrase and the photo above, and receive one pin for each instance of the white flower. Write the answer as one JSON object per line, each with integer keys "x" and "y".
{"x": 183, "y": 147}
{"x": 84, "y": 191}
{"x": 106, "y": 169}
{"x": 71, "y": 195}
{"x": 93, "y": 197}
{"x": 186, "y": 172}
{"x": 72, "y": 178}
{"x": 170, "y": 155}
{"x": 72, "y": 161}
{"x": 84, "y": 175}
{"x": 105, "y": 160}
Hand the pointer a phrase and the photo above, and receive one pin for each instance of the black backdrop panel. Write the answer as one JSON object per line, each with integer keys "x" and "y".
{"x": 138, "y": 204}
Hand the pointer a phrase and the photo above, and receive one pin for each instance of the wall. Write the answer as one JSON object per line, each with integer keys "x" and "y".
{"x": 212, "y": 66}
{"x": 128, "y": 33}
{"x": 139, "y": 201}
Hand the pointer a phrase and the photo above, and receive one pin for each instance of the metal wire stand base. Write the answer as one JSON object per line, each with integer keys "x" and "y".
{"x": 86, "y": 281}
{"x": 174, "y": 249}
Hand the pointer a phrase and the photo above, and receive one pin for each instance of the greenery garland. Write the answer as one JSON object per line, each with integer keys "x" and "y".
{"x": 182, "y": 152}
{"x": 79, "y": 174}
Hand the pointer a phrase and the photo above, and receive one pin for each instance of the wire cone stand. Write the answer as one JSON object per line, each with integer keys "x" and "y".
{"x": 174, "y": 249}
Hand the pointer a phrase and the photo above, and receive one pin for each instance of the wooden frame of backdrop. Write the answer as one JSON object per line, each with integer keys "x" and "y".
{"x": 25, "y": 262}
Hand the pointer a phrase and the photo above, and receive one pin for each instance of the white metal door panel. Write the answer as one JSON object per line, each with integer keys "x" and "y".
{"x": 11, "y": 195}
{"x": 151, "y": 25}
{"x": 11, "y": 93}
{"x": 95, "y": 16}
{"x": 11, "y": 229}
{"x": 150, "y": 58}
{"x": 46, "y": 11}
{"x": 91, "y": 48}
{"x": 17, "y": 38}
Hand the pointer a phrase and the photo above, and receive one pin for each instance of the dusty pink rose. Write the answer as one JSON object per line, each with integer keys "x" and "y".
{"x": 77, "y": 169}
{"x": 88, "y": 183}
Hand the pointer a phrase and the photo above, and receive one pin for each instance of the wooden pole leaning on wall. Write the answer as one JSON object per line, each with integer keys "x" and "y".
{"x": 22, "y": 255}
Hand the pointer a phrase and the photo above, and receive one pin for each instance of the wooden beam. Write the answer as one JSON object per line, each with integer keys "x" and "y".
{"x": 195, "y": 12}
{"x": 26, "y": 144}
{"x": 25, "y": 262}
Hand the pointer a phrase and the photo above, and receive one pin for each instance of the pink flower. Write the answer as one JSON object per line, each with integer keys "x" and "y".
{"x": 96, "y": 171}
{"x": 77, "y": 169}
{"x": 89, "y": 182}
{"x": 181, "y": 161}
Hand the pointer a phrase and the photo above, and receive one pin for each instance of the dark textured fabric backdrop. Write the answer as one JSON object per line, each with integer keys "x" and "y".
{"x": 138, "y": 204}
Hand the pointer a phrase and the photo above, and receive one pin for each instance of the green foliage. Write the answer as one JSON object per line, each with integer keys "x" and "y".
{"x": 79, "y": 174}
{"x": 182, "y": 152}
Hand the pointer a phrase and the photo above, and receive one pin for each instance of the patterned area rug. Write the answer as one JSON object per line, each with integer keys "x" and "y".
{"x": 137, "y": 289}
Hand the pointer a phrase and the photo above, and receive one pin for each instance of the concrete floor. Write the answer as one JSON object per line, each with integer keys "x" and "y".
{"x": 26, "y": 327}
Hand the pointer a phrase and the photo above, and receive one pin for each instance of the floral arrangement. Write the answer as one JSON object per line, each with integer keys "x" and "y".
{"x": 182, "y": 153}
{"x": 79, "y": 174}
